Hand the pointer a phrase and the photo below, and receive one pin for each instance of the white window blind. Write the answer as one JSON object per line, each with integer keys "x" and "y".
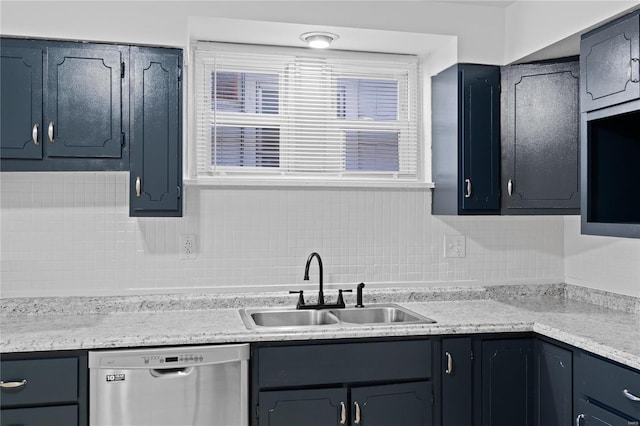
{"x": 291, "y": 113}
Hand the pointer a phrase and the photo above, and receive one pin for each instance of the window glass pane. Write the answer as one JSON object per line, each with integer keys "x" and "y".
{"x": 255, "y": 93}
{"x": 362, "y": 99}
{"x": 371, "y": 151}
{"x": 245, "y": 146}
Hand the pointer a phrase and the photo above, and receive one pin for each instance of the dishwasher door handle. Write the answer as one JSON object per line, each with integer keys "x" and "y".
{"x": 170, "y": 372}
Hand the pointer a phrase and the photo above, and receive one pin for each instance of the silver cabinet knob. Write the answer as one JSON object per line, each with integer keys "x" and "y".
{"x": 343, "y": 413}
{"x": 138, "y": 186}
{"x": 510, "y": 187}
{"x": 468, "y": 193}
{"x": 449, "y": 368}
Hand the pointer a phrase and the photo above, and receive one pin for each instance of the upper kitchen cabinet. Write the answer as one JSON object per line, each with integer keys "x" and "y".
{"x": 609, "y": 64}
{"x": 466, "y": 140}
{"x": 63, "y": 106}
{"x": 540, "y": 138}
{"x": 610, "y": 134}
{"x": 156, "y": 132}
{"x": 83, "y": 107}
{"x": 21, "y": 101}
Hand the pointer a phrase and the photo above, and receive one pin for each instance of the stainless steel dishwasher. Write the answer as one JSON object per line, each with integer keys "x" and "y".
{"x": 182, "y": 386}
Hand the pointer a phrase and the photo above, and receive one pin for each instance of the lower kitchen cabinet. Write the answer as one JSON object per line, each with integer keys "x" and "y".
{"x": 605, "y": 393}
{"x": 306, "y": 407}
{"x": 406, "y": 404}
{"x": 377, "y": 382}
{"x": 553, "y": 384}
{"x": 507, "y": 382}
{"x": 457, "y": 381}
{"x": 44, "y": 388}
{"x": 65, "y": 415}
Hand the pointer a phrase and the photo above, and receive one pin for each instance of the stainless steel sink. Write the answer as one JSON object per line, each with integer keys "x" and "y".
{"x": 386, "y": 314}
{"x": 295, "y": 318}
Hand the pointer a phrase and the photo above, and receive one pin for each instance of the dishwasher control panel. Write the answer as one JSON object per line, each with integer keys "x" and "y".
{"x": 177, "y": 357}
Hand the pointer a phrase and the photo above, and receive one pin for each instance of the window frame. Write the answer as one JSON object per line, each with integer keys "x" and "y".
{"x": 405, "y": 126}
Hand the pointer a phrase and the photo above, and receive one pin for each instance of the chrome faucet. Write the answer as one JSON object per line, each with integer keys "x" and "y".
{"x": 306, "y": 276}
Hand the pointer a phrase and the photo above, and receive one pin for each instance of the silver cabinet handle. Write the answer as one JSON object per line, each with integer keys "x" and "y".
{"x": 630, "y": 396}
{"x": 579, "y": 419}
{"x": 34, "y": 134}
{"x": 51, "y": 131}
{"x": 13, "y": 385}
{"x": 510, "y": 187}
{"x": 357, "y": 419}
{"x": 138, "y": 186}
{"x": 468, "y": 193}
{"x": 449, "y": 369}
{"x": 343, "y": 413}
{"x": 637, "y": 61}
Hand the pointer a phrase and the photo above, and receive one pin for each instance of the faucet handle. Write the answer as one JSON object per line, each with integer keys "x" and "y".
{"x": 300, "y": 298}
{"x": 340, "y": 301}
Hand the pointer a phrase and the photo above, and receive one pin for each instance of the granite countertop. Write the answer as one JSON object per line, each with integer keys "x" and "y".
{"x": 139, "y": 321}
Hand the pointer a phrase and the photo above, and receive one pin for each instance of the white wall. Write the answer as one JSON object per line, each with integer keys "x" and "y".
{"x": 604, "y": 263}
{"x": 480, "y": 29}
{"x": 534, "y": 25}
{"x": 70, "y": 234}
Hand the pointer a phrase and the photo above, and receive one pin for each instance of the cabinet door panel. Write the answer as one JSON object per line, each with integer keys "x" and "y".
{"x": 481, "y": 139}
{"x": 156, "y": 171}
{"x": 83, "y": 107}
{"x": 540, "y": 138}
{"x": 21, "y": 102}
{"x": 507, "y": 382}
{"x": 553, "y": 383}
{"x": 456, "y": 382}
{"x": 313, "y": 407}
{"x": 407, "y": 404}
{"x": 51, "y": 416}
{"x": 609, "y": 64}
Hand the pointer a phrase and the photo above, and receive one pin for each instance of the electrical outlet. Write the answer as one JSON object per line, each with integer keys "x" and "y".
{"x": 188, "y": 247}
{"x": 455, "y": 246}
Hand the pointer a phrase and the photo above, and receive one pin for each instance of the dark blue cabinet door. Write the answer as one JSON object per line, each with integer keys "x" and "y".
{"x": 406, "y": 404}
{"x": 457, "y": 385}
{"x": 83, "y": 105}
{"x": 21, "y": 101}
{"x": 553, "y": 384}
{"x": 609, "y": 64}
{"x": 465, "y": 107}
{"x": 311, "y": 407}
{"x": 540, "y": 138}
{"x": 156, "y": 133}
{"x": 480, "y": 179}
{"x": 507, "y": 382}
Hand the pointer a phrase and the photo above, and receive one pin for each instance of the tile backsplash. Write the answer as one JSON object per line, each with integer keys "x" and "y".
{"x": 70, "y": 234}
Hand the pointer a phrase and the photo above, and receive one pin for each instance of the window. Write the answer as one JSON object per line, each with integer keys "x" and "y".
{"x": 291, "y": 113}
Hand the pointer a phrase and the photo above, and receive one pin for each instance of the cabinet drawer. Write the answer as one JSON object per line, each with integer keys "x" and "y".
{"x": 605, "y": 382}
{"x": 51, "y": 416}
{"x": 592, "y": 415}
{"x": 47, "y": 380}
{"x": 283, "y": 366}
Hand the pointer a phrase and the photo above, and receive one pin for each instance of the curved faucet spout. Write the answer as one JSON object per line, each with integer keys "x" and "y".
{"x": 306, "y": 275}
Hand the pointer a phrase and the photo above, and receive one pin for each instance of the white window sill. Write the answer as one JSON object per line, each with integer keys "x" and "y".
{"x": 300, "y": 183}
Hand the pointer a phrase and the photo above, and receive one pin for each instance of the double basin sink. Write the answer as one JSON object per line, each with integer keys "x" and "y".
{"x": 382, "y": 314}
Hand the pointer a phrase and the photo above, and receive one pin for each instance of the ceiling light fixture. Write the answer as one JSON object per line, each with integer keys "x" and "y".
{"x": 318, "y": 40}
